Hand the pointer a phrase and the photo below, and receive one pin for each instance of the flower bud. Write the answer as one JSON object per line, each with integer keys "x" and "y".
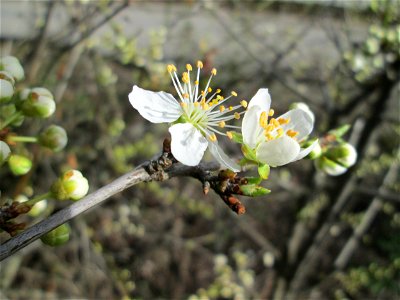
{"x": 53, "y": 137}
{"x": 58, "y": 236}
{"x": 71, "y": 185}
{"x": 37, "y": 102}
{"x": 12, "y": 65}
{"x": 315, "y": 152}
{"x": 330, "y": 167}
{"x": 19, "y": 165}
{"x": 304, "y": 107}
{"x": 344, "y": 154}
{"x": 6, "y": 86}
{"x": 4, "y": 152}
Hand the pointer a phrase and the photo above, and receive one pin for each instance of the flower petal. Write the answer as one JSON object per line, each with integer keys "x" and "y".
{"x": 261, "y": 99}
{"x": 221, "y": 157}
{"x": 187, "y": 144}
{"x": 156, "y": 107}
{"x": 278, "y": 152}
{"x": 305, "y": 151}
{"x": 300, "y": 121}
{"x": 251, "y": 126}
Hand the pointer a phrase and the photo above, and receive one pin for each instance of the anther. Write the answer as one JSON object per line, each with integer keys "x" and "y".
{"x": 185, "y": 77}
{"x": 196, "y": 82}
{"x": 221, "y": 124}
{"x": 218, "y": 91}
{"x": 185, "y": 95}
{"x": 200, "y": 64}
{"x": 292, "y": 133}
{"x": 271, "y": 112}
{"x": 231, "y": 107}
{"x": 183, "y": 104}
{"x": 243, "y": 103}
{"x": 189, "y": 67}
{"x": 212, "y": 137}
{"x": 221, "y": 108}
{"x": 236, "y": 115}
{"x": 171, "y": 68}
{"x": 214, "y": 71}
{"x": 233, "y": 93}
{"x": 283, "y": 121}
{"x": 209, "y": 90}
{"x": 229, "y": 135}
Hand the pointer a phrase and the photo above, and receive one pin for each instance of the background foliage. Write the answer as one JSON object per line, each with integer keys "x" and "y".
{"x": 168, "y": 240}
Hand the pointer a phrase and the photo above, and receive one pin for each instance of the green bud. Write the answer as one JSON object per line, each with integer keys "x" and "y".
{"x": 70, "y": 186}
{"x": 253, "y": 190}
{"x": 58, "y": 236}
{"x": 254, "y": 180}
{"x": 12, "y": 65}
{"x": 329, "y": 167}
{"x": 6, "y": 86}
{"x": 37, "y": 103}
{"x": 340, "y": 131}
{"x": 304, "y": 107}
{"x": 19, "y": 165}
{"x": 4, "y": 152}
{"x": 344, "y": 154}
{"x": 316, "y": 151}
{"x": 263, "y": 171}
{"x": 53, "y": 137}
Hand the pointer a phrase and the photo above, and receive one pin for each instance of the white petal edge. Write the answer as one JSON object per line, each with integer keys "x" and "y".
{"x": 187, "y": 144}
{"x": 222, "y": 158}
{"x": 156, "y": 107}
{"x": 261, "y": 99}
{"x": 305, "y": 151}
{"x": 251, "y": 126}
{"x": 300, "y": 121}
{"x": 278, "y": 152}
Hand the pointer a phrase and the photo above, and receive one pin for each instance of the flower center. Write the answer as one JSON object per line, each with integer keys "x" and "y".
{"x": 273, "y": 128}
{"x": 204, "y": 109}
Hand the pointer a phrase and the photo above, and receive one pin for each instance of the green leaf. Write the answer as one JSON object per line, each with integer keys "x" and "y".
{"x": 237, "y": 137}
{"x": 254, "y": 180}
{"x": 263, "y": 170}
{"x": 253, "y": 190}
{"x": 340, "y": 131}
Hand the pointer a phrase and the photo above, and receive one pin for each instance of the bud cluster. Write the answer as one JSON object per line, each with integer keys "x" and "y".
{"x": 18, "y": 106}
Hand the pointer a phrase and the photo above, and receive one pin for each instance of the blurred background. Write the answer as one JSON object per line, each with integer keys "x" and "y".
{"x": 313, "y": 237}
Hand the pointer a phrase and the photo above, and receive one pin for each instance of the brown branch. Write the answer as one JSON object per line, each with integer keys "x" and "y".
{"x": 225, "y": 184}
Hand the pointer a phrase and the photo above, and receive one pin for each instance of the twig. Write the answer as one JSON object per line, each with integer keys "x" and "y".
{"x": 225, "y": 184}
{"x": 372, "y": 211}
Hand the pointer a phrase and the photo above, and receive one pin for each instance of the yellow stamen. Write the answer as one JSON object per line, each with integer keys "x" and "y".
{"x": 236, "y": 115}
{"x": 292, "y": 133}
{"x": 263, "y": 120}
{"x": 221, "y": 108}
{"x": 196, "y": 104}
{"x": 230, "y": 107}
{"x": 189, "y": 67}
{"x": 229, "y": 135}
{"x": 269, "y": 128}
{"x": 209, "y": 90}
{"x": 214, "y": 71}
{"x": 218, "y": 91}
{"x": 196, "y": 82}
{"x": 233, "y": 93}
{"x": 274, "y": 122}
{"x": 283, "y": 121}
{"x": 205, "y": 106}
{"x": 214, "y": 102}
{"x": 221, "y": 124}
{"x": 271, "y": 112}
{"x": 183, "y": 104}
{"x": 200, "y": 64}
{"x": 212, "y": 137}
{"x": 185, "y": 77}
{"x": 185, "y": 95}
{"x": 243, "y": 103}
{"x": 268, "y": 136}
{"x": 202, "y": 93}
{"x": 171, "y": 68}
